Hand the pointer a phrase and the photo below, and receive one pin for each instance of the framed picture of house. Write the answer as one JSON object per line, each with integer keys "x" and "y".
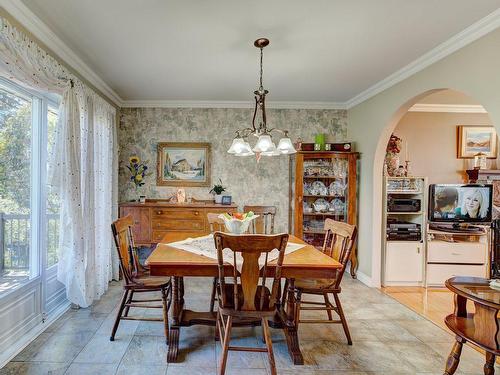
{"x": 473, "y": 140}
{"x": 183, "y": 164}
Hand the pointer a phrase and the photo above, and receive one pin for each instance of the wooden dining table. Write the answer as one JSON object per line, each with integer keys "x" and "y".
{"x": 306, "y": 262}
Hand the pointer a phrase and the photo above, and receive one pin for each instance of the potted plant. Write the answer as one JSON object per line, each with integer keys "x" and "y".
{"x": 217, "y": 191}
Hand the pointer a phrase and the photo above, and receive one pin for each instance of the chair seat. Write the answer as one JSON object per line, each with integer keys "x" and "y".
{"x": 150, "y": 282}
{"x": 312, "y": 284}
{"x": 229, "y": 296}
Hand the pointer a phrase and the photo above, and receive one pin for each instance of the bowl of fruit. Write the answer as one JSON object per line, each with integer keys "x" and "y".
{"x": 238, "y": 223}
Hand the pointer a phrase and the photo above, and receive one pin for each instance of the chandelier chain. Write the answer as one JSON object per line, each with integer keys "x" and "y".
{"x": 261, "y": 87}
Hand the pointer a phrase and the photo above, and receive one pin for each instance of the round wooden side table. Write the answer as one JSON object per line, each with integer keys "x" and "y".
{"x": 480, "y": 328}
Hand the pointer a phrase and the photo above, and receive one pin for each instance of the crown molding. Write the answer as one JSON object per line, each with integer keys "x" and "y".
{"x": 456, "y": 42}
{"x": 42, "y": 32}
{"x": 450, "y": 108}
{"x": 22, "y": 14}
{"x": 228, "y": 104}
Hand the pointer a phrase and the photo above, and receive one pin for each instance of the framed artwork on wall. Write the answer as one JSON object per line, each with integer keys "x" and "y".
{"x": 183, "y": 164}
{"x": 473, "y": 140}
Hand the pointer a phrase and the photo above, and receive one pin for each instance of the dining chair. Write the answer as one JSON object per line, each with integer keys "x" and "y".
{"x": 247, "y": 299}
{"x": 216, "y": 224}
{"x": 137, "y": 279}
{"x": 338, "y": 244}
{"x": 264, "y": 224}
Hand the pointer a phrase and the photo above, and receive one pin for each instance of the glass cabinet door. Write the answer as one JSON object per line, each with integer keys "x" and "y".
{"x": 324, "y": 194}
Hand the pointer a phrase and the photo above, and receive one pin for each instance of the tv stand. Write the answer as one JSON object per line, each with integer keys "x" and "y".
{"x": 456, "y": 250}
{"x": 464, "y": 228}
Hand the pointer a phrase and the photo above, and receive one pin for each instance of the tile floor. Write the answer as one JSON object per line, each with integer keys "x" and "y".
{"x": 388, "y": 339}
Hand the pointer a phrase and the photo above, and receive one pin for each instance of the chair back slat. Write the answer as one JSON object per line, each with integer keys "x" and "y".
{"x": 250, "y": 247}
{"x": 249, "y": 279}
{"x": 339, "y": 241}
{"x": 215, "y": 223}
{"x": 264, "y": 224}
{"x": 124, "y": 241}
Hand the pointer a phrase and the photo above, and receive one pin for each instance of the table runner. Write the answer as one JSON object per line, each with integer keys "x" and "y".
{"x": 205, "y": 246}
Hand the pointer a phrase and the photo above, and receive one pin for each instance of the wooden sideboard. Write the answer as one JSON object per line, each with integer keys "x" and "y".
{"x": 155, "y": 219}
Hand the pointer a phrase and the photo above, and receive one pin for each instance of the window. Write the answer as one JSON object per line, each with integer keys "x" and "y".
{"x": 52, "y": 207}
{"x": 26, "y": 119}
{"x": 15, "y": 188}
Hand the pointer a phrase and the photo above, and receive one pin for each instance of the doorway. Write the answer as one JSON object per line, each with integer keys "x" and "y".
{"x": 428, "y": 137}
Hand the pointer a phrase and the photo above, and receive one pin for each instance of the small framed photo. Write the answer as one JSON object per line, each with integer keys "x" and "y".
{"x": 226, "y": 199}
{"x": 473, "y": 140}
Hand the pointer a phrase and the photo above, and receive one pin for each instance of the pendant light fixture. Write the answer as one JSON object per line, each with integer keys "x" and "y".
{"x": 265, "y": 145}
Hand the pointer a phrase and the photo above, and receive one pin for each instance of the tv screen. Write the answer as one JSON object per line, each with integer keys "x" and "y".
{"x": 460, "y": 203}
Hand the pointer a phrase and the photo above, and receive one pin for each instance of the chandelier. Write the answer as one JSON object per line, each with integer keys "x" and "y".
{"x": 265, "y": 145}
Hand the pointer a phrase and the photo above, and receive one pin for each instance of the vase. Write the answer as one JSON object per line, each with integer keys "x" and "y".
{"x": 392, "y": 162}
{"x": 218, "y": 198}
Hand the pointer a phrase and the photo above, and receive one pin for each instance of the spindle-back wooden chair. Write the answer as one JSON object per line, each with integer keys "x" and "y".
{"x": 338, "y": 243}
{"x": 137, "y": 278}
{"x": 264, "y": 224}
{"x": 216, "y": 224}
{"x": 247, "y": 298}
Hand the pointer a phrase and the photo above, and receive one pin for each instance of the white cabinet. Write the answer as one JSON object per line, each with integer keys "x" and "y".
{"x": 404, "y": 207}
{"x": 404, "y": 264}
{"x": 437, "y": 274}
{"x": 456, "y": 254}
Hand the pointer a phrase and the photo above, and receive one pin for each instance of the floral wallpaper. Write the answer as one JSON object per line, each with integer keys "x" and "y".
{"x": 248, "y": 182}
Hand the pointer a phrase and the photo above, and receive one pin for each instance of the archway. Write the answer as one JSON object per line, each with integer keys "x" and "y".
{"x": 378, "y": 163}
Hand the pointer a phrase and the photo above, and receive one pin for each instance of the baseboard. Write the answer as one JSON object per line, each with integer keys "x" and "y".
{"x": 28, "y": 338}
{"x": 404, "y": 283}
{"x": 365, "y": 279}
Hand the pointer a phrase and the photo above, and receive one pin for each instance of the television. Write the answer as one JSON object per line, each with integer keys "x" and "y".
{"x": 471, "y": 203}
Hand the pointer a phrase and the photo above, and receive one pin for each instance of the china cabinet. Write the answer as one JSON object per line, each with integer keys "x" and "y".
{"x": 322, "y": 185}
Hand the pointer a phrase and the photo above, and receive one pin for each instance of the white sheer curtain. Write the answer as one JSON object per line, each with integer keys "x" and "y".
{"x": 83, "y": 168}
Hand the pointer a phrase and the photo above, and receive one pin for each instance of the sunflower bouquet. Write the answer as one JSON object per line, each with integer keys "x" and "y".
{"x": 138, "y": 170}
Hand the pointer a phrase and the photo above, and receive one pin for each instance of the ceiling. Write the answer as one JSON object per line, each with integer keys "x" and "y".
{"x": 320, "y": 51}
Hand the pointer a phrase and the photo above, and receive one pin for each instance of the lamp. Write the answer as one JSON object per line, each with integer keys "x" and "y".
{"x": 285, "y": 145}
{"x": 265, "y": 145}
{"x": 480, "y": 160}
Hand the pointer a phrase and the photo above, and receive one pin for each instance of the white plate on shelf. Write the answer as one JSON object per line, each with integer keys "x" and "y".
{"x": 318, "y": 188}
{"x": 306, "y": 208}
{"x": 307, "y": 188}
{"x": 337, "y": 188}
{"x": 337, "y": 206}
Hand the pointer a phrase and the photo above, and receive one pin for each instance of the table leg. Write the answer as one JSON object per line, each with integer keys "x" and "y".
{"x": 181, "y": 291}
{"x": 454, "y": 357}
{"x": 292, "y": 338}
{"x": 173, "y": 344}
{"x": 489, "y": 366}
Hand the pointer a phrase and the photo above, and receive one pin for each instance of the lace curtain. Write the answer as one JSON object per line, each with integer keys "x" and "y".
{"x": 82, "y": 169}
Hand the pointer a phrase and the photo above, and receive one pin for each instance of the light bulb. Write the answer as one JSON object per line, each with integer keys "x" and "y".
{"x": 285, "y": 146}
{"x": 264, "y": 143}
{"x": 237, "y": 146}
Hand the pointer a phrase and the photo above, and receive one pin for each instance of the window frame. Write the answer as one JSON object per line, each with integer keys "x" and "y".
{"x": 38, "y": 254}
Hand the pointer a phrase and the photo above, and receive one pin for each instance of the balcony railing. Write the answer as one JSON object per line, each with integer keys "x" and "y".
{"x": 15, "y": 240}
